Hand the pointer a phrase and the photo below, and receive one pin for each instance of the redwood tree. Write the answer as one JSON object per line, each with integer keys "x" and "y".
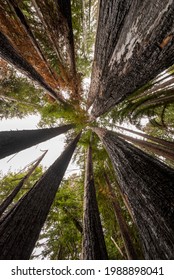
{"x": 148, "y": 185}
{"x": 20, "y": 228}
{"x": 94, "y": 247}
{"x": 14, "y": 141}
{"x": 134, "y": 43}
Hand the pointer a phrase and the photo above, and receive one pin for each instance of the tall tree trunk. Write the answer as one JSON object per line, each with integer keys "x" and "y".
{"x": 14, "y": 141}
{"x": 159, "y": 141}
{"x": 8, "y": 53}
{"x": 160, "y": 150}
{"x": 65, "y": 9}
{"x": 20, "y": 228}
{"x": 94, "y": 247}
{"x": 22, "y": 19}
{"x": 127, "y": 240}
{"x": 127, "y": 56}
{"x": 148, "y": 184}
{"x": 4, "y": 205}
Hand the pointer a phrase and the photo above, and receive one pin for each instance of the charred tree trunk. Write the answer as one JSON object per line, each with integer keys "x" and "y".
{"x": 127, "y": 56}
{"x": 8, "y": 53}
{"x": 94, "y": 247}
{"x": 20, "y": 228}
{"x": 127, "y": 240}
{"x": 148, "y": 185}
{"x": 14, "y": 141}
{"x": 4, "y": 205}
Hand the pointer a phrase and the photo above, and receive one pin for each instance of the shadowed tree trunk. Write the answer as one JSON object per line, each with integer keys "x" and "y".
{"x": 160, "y": 150}
{"x": 20, "y": 228}
{"x": 8, "y": 53}
{"x": 159, "y": 141}
{"x": 4, "y": 205}
{"x": 148, "y": 185}
{"x": 134, "y": 43}
{"x": 128, "y": 244}
{"x": 94, "y": 247}
{"x": 14, "y": 141}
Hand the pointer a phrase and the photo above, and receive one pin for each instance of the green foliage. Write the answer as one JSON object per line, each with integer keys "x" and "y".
{"x": 19, "y": 97}
{"x": 10, "y": 181}
{"x": 61, "y": 238}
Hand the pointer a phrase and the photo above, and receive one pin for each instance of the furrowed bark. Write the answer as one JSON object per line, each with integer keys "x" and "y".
{"x": 20, "y": 228}
{"x": 65, "y": 9}
{"x": 4, "y": 205}
{"x": 8, "y": 53}
{"x": 93, "y": 247}
{"x": 21, "y": 17}
{"x": 127, "y": 240}
{"x": 14, "y": 141}
{"x": 134, "y": 43}
{"x": 148, "y": 185}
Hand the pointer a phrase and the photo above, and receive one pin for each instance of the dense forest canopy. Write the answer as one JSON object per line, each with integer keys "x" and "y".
{"x": 101, "y": 73}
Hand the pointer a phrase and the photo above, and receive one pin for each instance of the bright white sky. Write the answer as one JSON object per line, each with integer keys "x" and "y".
{"x": 54, "y": 146}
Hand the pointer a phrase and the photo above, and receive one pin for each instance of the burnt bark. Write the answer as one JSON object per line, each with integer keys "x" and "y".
{"x": 4, "y": 205}
{"x": 94, "y": 247}
{"x": 148, "y": 185}
{"x": 134, "y": 43}
{"x": 8, "y": 53}
{"x": 14, "y": 141}
{"x": 20, "y": 228}
{"x": 125, "y": 234}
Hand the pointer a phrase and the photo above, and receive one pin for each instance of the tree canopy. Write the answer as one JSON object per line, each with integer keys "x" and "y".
{"x": 100, "y": 72}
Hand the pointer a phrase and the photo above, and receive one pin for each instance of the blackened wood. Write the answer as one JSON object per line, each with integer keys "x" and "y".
{"x": 20, "y": 228}
{"x": 14, "y": 141}
{"x": 149, "y": 188}
{"x": 94, "y": 247}
{"x": 134, "y": 43}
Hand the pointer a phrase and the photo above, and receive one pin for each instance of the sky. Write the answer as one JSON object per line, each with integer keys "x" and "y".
{"x": 17, "y": 162}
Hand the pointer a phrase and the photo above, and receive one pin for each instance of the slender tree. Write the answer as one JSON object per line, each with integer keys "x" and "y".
{"x": 148, "y": 185}
{"x": 94, "y": 247}
{"x": 20, "y": 228}
{"x": 124, "y": 230}
{"x": 14, "y": 141}
{"x": 157, "y": 140}
{"x": 4, "y": 205}
{"x": 160, "y": 150}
